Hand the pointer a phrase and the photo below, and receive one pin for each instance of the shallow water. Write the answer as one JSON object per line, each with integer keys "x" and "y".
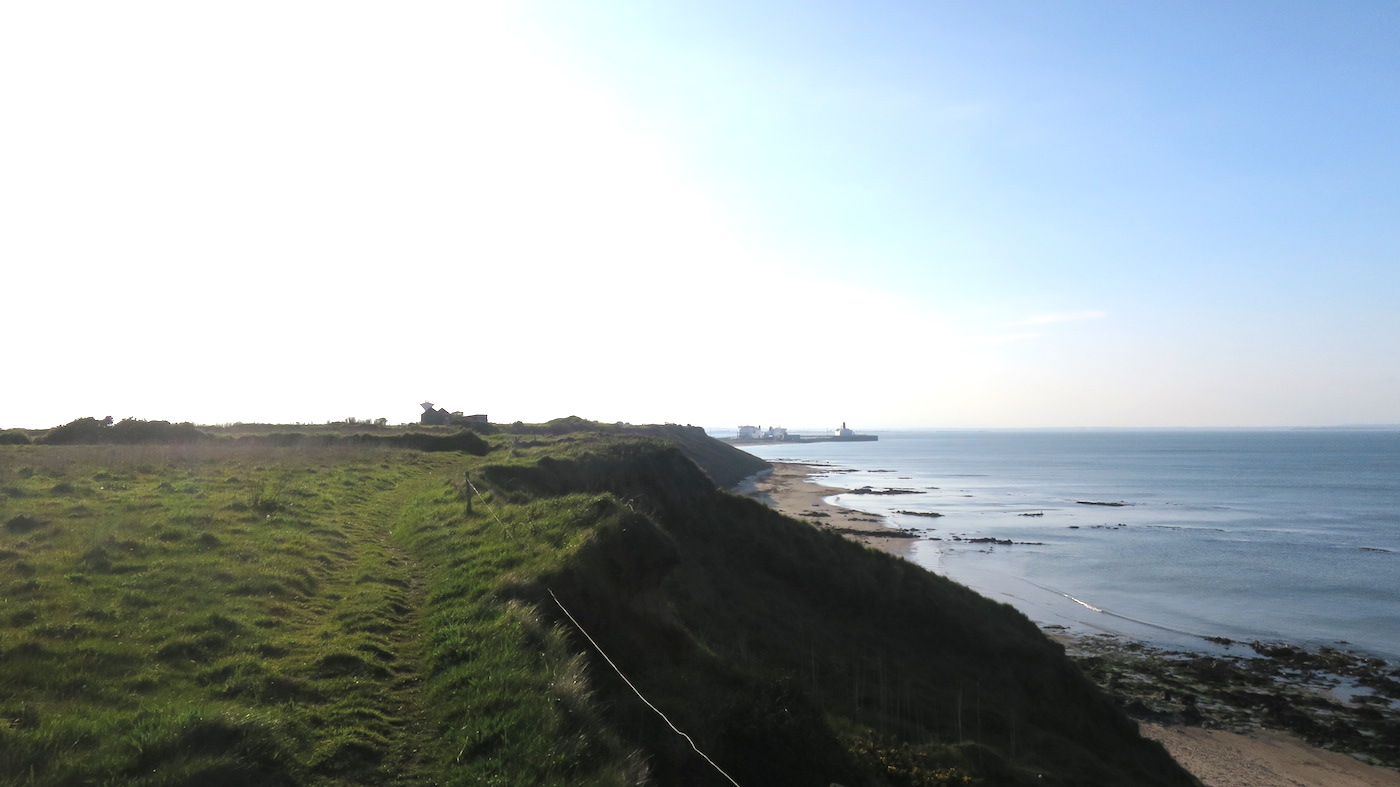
{"x": 1273, "y": 535}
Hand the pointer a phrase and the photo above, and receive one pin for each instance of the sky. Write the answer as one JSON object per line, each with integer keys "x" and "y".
{"x": 893, "y": 214}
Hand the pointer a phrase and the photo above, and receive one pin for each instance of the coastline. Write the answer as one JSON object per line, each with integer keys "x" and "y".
{"x": 791, "y": 489}
{"x": 1225, "y": 747}
{"x": 1263, "y": 758}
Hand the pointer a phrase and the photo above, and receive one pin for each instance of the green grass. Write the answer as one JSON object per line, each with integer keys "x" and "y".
{"x": 511, "y": 703}
{"x": 256, "y": 615}
{"x": 242, "y": 612}
{"x": 232, "y": 613}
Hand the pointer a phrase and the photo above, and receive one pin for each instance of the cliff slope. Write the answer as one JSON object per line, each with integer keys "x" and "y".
{"x": 794, "y": 656}
{"x": 343, "y": 612}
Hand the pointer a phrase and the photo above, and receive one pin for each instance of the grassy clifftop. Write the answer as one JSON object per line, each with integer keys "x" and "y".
{"x": 223, "y": 612}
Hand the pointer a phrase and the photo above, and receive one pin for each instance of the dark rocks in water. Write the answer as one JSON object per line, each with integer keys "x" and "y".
{"x": 865, "y": 490}
{"x": 1276, "y": 651}
{"x": 1006, "y": 542}
{"x": 1037, "y": 513}
{"x": 1284, "y": 687}
{"x": 1098, "y": 503}
{"x": 1382, "y": 685}
{"x": 851, "y": 531}
{"x": 919, "y": 513}
{"x": 1210, "y": 670}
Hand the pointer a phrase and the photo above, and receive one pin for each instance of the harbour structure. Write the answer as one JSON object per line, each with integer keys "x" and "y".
{"x": 439, "y": 416}
{"x": 750, "y": 435}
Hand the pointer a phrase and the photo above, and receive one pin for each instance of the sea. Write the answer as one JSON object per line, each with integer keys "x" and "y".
{"x": 1167, "y": 537}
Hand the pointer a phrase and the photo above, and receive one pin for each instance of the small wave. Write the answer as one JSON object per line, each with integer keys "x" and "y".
{"x": 1081, "y": 602}
{"x": 1101, "y": 611}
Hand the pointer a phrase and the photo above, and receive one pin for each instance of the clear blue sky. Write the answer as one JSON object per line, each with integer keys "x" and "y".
{"x": 893, "y": 214}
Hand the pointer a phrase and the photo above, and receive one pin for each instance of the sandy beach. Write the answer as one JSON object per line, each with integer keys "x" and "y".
{"x": 793, "y": 490}
{"x": 1259, "y": 758}
{"x": 1264, "y": 758}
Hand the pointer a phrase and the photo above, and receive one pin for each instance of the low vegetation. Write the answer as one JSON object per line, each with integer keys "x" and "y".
{"x": 329, "y": 610}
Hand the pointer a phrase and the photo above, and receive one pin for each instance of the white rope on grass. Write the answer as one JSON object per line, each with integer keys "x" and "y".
{"x": 634, "y": 689}
{"x": 492, "y": 510}
{"x": 489, "y": 508}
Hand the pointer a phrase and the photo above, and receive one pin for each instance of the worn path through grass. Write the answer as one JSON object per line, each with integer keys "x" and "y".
{"x": 327, "y": 615}
{"x": 172, "y": 615}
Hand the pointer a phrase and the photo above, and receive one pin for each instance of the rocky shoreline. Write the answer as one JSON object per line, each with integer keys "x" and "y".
{"x": 1235, "y": 714}
{"x": 1331, "y": 698}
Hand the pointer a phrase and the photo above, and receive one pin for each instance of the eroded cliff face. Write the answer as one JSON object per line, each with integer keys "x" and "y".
{"x": 793, "y": 656}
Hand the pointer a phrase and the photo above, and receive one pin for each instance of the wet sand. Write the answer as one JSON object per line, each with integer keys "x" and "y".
{"x": 792, "y": 490}
{"x": 1262, "y": 758}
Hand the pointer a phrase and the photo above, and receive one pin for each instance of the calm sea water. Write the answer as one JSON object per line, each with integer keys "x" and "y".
{"x": 1287, "y": 536}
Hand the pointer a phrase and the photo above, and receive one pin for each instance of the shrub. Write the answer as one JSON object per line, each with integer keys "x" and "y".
{"x": 80, "y": 431}
{"x": 130, "y": 431}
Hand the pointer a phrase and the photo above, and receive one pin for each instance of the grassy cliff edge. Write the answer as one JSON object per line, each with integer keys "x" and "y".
{"x": 231, "y": 612}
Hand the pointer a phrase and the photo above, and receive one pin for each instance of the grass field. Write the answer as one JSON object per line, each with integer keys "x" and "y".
{"x": 231, "y": 612}
{"x": 175, "y": 614}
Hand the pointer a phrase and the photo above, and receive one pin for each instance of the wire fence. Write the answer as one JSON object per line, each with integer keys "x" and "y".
{"x": 494, "y": 515}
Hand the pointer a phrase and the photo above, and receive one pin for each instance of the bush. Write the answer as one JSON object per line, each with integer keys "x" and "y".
{"x": 14, "y": 438}
{"x": 83, "y": 431}
{"x": 130, "y": 431}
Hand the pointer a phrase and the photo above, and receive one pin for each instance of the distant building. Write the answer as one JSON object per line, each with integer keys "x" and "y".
{"x": 843, "y": 431}
{"x": 439, "y": 416}
{"x": 775, "y": 433}
{"x": 750, "y": 432}
{"x": 434, "y": 416}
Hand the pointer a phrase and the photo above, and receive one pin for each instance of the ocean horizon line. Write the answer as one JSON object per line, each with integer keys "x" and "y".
{"x": 928, "y": 429}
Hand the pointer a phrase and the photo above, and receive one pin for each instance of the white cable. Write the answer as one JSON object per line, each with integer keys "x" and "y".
{"x": 490, "y": 508}
{"x": 640, "y": 696}
{"x": 608, "y": 659}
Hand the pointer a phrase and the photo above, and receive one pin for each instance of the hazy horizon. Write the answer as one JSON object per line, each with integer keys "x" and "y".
{"x": 953, "y": 215}
{"x": 809, "y": 430}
